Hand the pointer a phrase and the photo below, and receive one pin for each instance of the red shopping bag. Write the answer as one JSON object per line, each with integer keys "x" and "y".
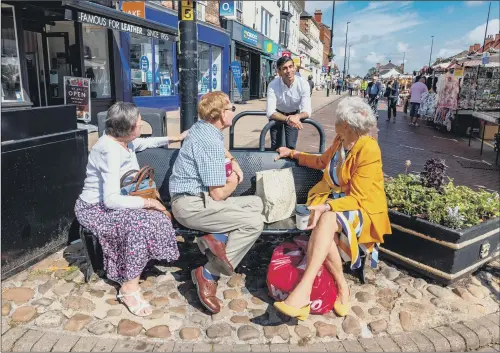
{"x": 286, "y": 270}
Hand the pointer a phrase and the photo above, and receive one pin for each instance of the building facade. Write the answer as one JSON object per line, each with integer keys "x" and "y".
{"x": 310, "y": 47}
{"x": 325, "y": 37}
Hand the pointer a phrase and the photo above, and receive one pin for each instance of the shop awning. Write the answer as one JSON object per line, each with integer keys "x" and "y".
{"x": 88, "y": 12}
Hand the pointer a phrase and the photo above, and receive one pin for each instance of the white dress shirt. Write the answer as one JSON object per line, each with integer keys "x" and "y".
{"x": 289, "y": 99}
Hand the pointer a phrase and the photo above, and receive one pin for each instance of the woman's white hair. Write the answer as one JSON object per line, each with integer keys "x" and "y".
{"x": 356, "y": 113}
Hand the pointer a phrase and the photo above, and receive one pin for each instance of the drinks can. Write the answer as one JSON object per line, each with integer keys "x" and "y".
{"x": 229, "y": 167}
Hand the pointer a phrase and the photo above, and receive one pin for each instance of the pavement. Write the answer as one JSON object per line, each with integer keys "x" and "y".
{"x": 49, "y": 307}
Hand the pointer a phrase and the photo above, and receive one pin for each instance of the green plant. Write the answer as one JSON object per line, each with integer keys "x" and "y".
{"x": 456, "y": 207}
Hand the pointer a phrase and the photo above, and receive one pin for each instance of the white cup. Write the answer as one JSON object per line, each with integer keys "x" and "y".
{"x": 302, "y": 214}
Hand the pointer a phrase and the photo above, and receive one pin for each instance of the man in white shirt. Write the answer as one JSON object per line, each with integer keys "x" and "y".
{"x": 288, "y": 102}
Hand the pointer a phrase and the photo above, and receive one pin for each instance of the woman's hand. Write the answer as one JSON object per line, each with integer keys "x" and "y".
{"x": 316, "y": 212}
{"x": 154, "y": 205}
{"x": 283, "y": 152}
{"x": 178, "y": 138}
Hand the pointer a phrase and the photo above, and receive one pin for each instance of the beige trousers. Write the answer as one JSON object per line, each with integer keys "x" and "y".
{"x": 238, "y": 217}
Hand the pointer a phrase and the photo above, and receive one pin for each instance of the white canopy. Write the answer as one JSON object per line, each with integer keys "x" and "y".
{"x": 391, "y": 73}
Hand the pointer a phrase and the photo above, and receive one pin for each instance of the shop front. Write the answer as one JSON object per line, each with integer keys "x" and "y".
{"x": 257, "y": 55}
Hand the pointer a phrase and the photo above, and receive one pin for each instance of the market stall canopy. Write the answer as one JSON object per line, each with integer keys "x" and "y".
{"x": 391, "y": 73}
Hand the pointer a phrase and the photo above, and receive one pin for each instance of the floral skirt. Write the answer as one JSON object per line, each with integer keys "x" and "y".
{"x": 129, "y": 238}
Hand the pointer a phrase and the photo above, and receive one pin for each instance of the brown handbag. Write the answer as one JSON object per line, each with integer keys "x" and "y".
{"x": 142, "y": 184}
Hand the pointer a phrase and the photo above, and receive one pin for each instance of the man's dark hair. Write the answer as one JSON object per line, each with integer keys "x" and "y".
{"x": 282, "y": 61}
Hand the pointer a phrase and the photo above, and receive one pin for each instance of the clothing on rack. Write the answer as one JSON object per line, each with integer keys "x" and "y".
{"x": 444, "y": 116}
{"x": 447, "y": 91}
{"x": 428, "y": 105}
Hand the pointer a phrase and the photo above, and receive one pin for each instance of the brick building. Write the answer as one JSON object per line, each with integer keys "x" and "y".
{"x": 325, "y": 35}
{"x": 207, "y": 11}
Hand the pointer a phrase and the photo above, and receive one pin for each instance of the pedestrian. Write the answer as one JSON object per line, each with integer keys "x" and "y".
{"x": 416, "y": 92}
{"x": 364, "y": 85}
{"x": 374, "y": 90}
{"x": 288, "y": 102}
{"x": 350, "y": 86}
{"x": 311, "y": 83}
{"x": 392, "y": 94}
{"x": 338, "y": 87}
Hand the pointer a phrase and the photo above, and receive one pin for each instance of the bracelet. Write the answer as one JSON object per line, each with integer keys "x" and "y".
{"x": 292, "y": 153}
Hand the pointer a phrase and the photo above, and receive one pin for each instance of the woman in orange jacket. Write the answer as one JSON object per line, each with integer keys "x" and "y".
{"x": 348, "y": 206}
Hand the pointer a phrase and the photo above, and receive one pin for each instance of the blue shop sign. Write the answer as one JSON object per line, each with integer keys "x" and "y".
{"x": 144, "y": 63}
{"x": 214, "y": 83}
{"x": 227, "y": 9}
{"x": 214, "y": 69}
{"x": 250, "y": 36}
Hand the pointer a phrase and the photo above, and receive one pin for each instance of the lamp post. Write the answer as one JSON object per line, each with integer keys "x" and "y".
{"x": 404, "y": 54}
{"x": 430, "y": 55}
{"x": 345, "y": 52}
{"x": 349, "y": 59}
{"x": 330, "y": 55}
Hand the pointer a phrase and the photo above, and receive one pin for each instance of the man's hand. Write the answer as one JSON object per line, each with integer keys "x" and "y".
{"x": 237, "y": 170}
{"x": 294, "y": 121}
{"x": 283, "y": 152}
{"x": 316, "y": 212}
{"x": 233, "y": 178}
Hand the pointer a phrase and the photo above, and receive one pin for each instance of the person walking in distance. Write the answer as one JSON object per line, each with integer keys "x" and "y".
{"x": 392, "y": 94}
{"x": 288, "y": 102}
{"x": 416, "y": 92}
{"x": 311, "y": 83}
{"x": 374, "y": 90}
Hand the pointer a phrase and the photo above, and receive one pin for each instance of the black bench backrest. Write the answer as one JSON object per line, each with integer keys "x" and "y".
{"x": 162, "y": 160}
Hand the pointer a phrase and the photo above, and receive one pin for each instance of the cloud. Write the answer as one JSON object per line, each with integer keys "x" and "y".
{"x": 474, "y": 3}
{"x": 380, "y": 5}
{"x": 312, "y": 6}
{"x": 403, "y": 47}
{"x": 374, "y": 58}
{"x": 446, "y": 52}
{"x": 477, "y": 34}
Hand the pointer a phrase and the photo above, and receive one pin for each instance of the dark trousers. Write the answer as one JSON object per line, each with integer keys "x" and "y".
{"x": 291, "y": 133}
{"x": 391, "y": 107}
{"x": 414, "y": 110}
{"x": 350, "y": 91}
{"x": 338, "y": 90}
{"x": 373, "y": 102}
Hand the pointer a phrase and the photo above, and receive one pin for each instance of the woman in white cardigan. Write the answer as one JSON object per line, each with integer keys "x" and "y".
{"x": 130, "y": 229}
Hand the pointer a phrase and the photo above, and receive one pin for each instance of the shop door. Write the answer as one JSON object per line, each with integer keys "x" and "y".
{"x": 57, "y": 65}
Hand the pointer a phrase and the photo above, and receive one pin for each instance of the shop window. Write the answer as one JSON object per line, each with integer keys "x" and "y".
{"x": 12, "y": 90}
{"x": 265, "y": 22}
{"x": 203, "y": 68}
{"x": 164, "y": 62}
{"x": 141, "y": 65}
{"x": 96, "y": 57}
{"x": 201, "y": 10}
{"x": 216, "y": 69}
{"x": 244, "y": 58}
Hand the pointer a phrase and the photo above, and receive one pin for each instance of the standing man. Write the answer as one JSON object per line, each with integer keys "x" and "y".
{"x": 200, "y": 190}
{"x": 288, "y": 102}
{"x": 416, "y": 92}
{"x": 363, "y": 87}
{"x": 374, "y": 92}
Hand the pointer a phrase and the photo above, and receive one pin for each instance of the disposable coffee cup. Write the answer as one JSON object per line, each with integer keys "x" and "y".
{"x": 302, "y": 214}
{"x": 229, "y": 167}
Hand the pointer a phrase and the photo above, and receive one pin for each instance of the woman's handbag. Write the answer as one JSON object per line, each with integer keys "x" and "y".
{"x": 141, "y": 183}
{"x": 276, "y": 188}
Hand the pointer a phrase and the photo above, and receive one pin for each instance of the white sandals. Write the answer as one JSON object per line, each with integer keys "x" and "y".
{"x": 135, "y": 309}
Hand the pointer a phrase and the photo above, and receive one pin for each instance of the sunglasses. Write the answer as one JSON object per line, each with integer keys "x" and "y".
{"x": 233, "y": 109}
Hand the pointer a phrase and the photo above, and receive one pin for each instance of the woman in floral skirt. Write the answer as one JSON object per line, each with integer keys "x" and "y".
{"x": 131, "y": 230}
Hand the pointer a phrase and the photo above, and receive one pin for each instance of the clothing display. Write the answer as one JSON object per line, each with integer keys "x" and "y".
{"x": 447, "y": 90}
{"x": 428, "y": 105}
{"x": 480, "y": 90}
{"x": 444, "y": 116}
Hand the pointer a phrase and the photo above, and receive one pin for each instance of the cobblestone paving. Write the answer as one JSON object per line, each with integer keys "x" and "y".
{"x": 49, "y": 307}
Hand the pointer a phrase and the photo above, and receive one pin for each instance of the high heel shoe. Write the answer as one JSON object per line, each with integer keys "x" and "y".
{"x": 341, "y": 309}
{"x": 301, "y": 314}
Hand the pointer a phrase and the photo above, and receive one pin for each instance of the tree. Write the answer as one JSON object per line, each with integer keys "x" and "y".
{"x": 371, "y": 72}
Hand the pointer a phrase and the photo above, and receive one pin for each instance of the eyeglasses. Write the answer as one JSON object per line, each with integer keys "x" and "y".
{"x": 233, "y": 109}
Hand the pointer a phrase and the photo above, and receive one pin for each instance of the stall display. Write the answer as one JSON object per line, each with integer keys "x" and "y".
{"x": 428, "y": 105}
{"x": 480, "y": 90}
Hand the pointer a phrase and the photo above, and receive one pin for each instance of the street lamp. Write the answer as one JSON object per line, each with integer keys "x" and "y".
{"x": 330, "y": 55}
{"x": 430, "y": 55}
{"x": 349, "y": 59}
{"x": 345, "y": 52}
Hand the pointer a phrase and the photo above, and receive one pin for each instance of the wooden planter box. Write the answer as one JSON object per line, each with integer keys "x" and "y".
{"x": 441, "y": 253}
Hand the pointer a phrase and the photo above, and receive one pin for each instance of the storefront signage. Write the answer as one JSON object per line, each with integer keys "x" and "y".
{"x": 236, "y": 70}
{"x": 227, "y": 9}
{"x": 270, "y": 47}
{"x": 459, "y": 72}
{"x": 286, "y": 53}
{"x": 214, "y": 83}
{"x": 136, "y": 8}
{"x": 250, "y": 36}
{"x": 187, "y": 10}
{"x": 77, "y": 91}
{"x": 144, "y": 63}
{"x": 214, "y": 69}
{"x": 120, "y": 26}
{"x": 324, "y": 69}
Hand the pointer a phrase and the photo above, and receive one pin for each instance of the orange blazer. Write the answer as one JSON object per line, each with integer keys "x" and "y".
{"x": 361, "y": 179}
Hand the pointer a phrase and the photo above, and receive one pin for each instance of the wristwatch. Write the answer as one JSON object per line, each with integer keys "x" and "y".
{"x": 327, "y": 208}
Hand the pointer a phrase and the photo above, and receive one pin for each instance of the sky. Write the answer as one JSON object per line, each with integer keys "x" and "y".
{"x": 380, "y": 31}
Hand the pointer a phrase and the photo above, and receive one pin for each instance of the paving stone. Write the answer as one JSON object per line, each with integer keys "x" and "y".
{"x": 49, "y": 319}
{"x": 334, "y": 347}
{"x": 26, "y": 342}
{"x": 46, "y": 342}
{"x": 77, "y": 322}
{"x": 160, "y": 302}
{"x": 164, "y": 347}
{"x": 219, "y": 331}
{"x": 64, "y": 289}
{"x": 378, "y": 326}
{"x": 352, "y": 346}
{"x": 141, "y": 346}
{"x": 44, "y": 288}
{"x": 78, "y": 304}
{"x": 414, "y": 293}
{"x": 404, "y": 342}
{"x": 43, "y": 302}
{"x": 189, "y": 333}
{"x": 440, "y": 303}
{"x": 6, "y": 307}
{"x": 85, "y": 344}
{"x": 235, "y": 281}
{"x": 112, "y": 301}
{"x": 482, "y": 333}
{"x": 494, "y": 318}
{"x": 105, "y": 345}
{"x": 351, "y": 325}
{"x": 463, "y": 293}
{"x": 202, "y": 347}
{"x": 471, "y": 339}
{"x": 247, "y": 332}
{"x": 124, "y": 346}
{"x": 374, "y": 311}
{"x": 303, "y": 331}
{"x": 238, "y": 305}
{"x": 221, "y": 348}
{"x": 24, "y": 314}
{"x": 224, "y": 313}
{"x": 240, "y": 348}
{"x": 477, "y": 291}
{"x": 65, "y": 343}
{"x": 419, "y": 283}
{"x": 11, "y": 336}
{"x": 230, "y": 294}
{"x": 277, "y": 347}
{"x": 369, "y": 344}
{"x": 19, "y": 295}
{"x": 260, "y": 348}
{"x": 129, "y": 328}
{"x": 387, "y": 344}
{"x": 390, "y": 273}
{"x": 387, "y": 293}
{"x": 493, "y": 329}
{"x": 277, "y": 331}
{"x": 174, "y": 296}
{"x": 257, "y": 301}
{"x": 439, "y": 342}
{"x": 183, "y": 347}
{"x": 422, "y": 342}
{"x": 405, "y": 320}
{"x": 457, "y": 343}
{"x": 101, "y": 327}
{"x": 440, "y": 292}
{"x": 310, "y": 347}
{"x": 358, "y": 311}
{"x": 364, "y": 297}
{"x": 198, "y": 319}
{"x": 167, "y": 287}
{"x": 114, "y": 312}
{"x": 158, "y": 313}
{"x": 240, "y": 319}
{"x": 325, "y": 330}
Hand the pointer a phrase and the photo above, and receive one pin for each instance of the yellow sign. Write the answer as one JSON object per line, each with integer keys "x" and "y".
{"x": 296, "y": 61}
{"x": 187, "y": 10}
{"x": 459, "y": 72}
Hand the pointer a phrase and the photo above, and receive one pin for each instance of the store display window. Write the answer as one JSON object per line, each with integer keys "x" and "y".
{"x": 209, "y": 68}
{"x": 12, "y": 90}
{"x": 96, "y": 58}
{"x": 164, "y": 63}
{"x": 141, "y": 65}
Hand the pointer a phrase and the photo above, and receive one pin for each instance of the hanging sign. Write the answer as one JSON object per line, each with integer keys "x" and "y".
{"x": 187, "y": 10}
{"x": 136, "y": 8}
{"x": 77, "y": 91}
{"x": 286, "y": 53}
{"x": 227, "y": 9}
{"x": 144, "y": 63}
{"x": 236, "y": 70}
{"x": 119, "y": 25}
